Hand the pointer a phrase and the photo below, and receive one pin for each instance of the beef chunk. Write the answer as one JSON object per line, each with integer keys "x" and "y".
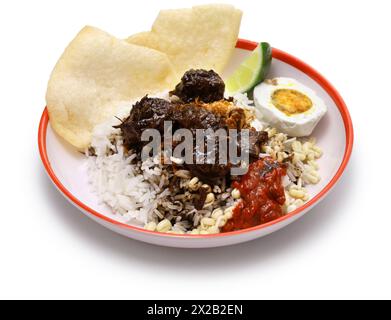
{"x": 148, "y": 113}
{"x": 202, "y": 85}
{"x": 193, "y": 116}
{"x": 257, "y": 139}
{"x": 151, "y": 113}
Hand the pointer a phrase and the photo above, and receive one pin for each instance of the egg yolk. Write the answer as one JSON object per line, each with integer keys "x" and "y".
{"x": 291, "y": 102}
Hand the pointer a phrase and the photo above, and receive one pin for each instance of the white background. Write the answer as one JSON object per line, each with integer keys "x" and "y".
{"x": 341, "y": 249}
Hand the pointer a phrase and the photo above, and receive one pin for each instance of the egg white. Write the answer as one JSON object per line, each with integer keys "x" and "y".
{"x": 296, "y": 125}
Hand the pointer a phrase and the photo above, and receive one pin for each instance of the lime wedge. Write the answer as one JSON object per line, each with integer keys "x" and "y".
{"x": 252, "y": 71}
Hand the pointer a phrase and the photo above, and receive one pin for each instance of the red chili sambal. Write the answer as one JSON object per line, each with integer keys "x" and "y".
{"x": 262, "y": 195}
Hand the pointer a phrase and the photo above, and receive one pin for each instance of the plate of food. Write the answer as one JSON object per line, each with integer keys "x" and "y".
{"x": 187, "y": 136}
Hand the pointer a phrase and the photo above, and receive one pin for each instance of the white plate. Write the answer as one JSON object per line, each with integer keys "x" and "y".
{"x": 66, "y": 167}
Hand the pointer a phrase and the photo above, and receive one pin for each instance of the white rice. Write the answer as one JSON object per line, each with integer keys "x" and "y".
{"x": 117, "y": 182}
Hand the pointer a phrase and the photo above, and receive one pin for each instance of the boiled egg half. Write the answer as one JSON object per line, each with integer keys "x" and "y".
{"x": 289, "y": 106}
